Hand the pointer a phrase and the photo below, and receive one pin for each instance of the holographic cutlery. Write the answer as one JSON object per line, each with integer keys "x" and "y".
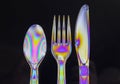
{"x": 82, "y": 43}
{"x": 34, "y": 48}
{"x": 61, "y": 48}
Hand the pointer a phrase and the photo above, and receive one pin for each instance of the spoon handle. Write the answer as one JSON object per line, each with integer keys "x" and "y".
{"x": 34, "y": 76}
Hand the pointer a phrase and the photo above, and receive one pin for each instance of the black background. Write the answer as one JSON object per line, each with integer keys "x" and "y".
{"x": 17, "y": 16}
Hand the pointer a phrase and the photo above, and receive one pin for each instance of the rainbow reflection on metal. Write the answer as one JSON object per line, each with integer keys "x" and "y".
{"x": 82, "y": 43}
{"x": 61, "y": 47}
{"x": 34, "y": 44}
{"x": 62, "y": 50}
{"x": 34, "y": 48}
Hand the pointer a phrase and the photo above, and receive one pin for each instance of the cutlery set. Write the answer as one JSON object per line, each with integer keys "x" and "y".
{"x": 35, "y": 46}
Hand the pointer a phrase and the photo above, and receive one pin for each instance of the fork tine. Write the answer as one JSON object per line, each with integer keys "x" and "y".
{"x": 68, "y": 30}
{"x": 59, "y": 31}
{"x": 63, "y": 30}
{"x": 54, "y": 30}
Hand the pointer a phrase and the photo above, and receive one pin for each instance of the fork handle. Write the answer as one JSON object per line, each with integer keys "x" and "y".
{"x": 83, "y": 74}
{"x": 61, "y": 72}
{"x": 34, "y": 76}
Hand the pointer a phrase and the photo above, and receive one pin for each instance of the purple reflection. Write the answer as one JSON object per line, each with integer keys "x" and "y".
{"x": 37, "y": 34}
{"x": 62, "y": 49}
{"x": 34, "y": 74}
{"x": 84, "y": 80}
{"x": 61, "y": 62}
{"x": 77, "y": 42}
{"x": 84, "y": 71}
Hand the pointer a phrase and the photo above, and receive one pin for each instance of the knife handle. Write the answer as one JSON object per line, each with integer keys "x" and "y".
{"x": 84, "y": 74}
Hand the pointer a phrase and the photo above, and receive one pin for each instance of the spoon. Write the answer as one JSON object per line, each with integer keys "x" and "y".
{"x": 34, "y": 48}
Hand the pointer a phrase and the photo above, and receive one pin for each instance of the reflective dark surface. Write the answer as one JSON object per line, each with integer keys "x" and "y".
{"x": 18, "y": 15}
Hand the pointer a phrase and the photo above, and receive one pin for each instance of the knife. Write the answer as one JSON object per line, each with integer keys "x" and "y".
{"x": 82, "y": 43}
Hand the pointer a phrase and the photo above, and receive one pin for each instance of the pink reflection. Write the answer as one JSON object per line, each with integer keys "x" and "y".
{"x": 62, "y": 49}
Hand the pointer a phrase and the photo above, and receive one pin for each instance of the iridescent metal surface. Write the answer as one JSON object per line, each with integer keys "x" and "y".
{"x": 61, "y": 49}
{"x": 82, "y": 43}
{"x": 34, "y": 48}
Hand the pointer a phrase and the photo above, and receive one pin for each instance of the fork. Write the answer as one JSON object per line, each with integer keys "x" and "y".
{"x": 61, "y": 48}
